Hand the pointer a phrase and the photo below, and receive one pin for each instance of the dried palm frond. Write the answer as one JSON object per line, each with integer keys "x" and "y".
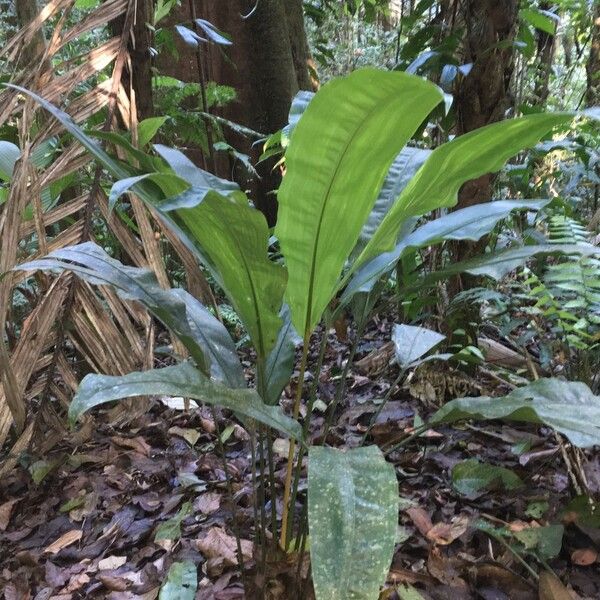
{"x": 68, "y": 328}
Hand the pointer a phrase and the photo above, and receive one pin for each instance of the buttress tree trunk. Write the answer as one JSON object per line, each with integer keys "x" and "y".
{"x": 267, "y": 64}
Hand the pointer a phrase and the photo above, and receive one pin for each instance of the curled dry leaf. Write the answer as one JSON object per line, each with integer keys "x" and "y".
{"x": 111, "y": 562}
{"x": 5, "y": 513}
{"x": 68, "y": 538}
{"x": 584, "y": 557}
{"x": 445, "y": 533}
{"x": 420, "y": 518}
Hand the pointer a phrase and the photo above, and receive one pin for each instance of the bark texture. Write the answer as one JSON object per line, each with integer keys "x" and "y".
{"x": 592, "y": 94}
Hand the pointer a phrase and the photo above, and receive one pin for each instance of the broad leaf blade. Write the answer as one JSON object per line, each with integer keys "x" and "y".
{"x": 470, "y": 223}
{"x": 466, "y": 157}
{"x": 205, "y": 337}
{"x": 233, "y": 238}
{"x": 339, "y": 154}
{"x": 412, "y": 343}
{"x": 568, "y": 407}
{"x": 9, "y": 154}
{"x": 179, "y": 380}
{"x": 352, "y": 516}
{"x": 470, "y": 477}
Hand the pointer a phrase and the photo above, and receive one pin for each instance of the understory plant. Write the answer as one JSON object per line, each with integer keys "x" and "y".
{"x": 347, "y": 214}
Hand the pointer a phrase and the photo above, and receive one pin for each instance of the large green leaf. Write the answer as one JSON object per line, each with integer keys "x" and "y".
{"x": 470, "y": 477}
{"x": 233, "y": 238}
{"x": 339, "y": 154}
{"x": 352, "y": 517}
{"x": 466, "y": 157}
{"x": 569, "y": 407}
{"x": 205, "y": 337}
{"x": 470, "y": 223}
{"x": 412, "y": 342}
{"x": 179, "y": 380}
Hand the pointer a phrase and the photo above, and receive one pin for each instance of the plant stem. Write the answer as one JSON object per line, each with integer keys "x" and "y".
{"x": 290, "y": 461}
{"x": 416, "y": 433}
{"x": 306, "y": 425}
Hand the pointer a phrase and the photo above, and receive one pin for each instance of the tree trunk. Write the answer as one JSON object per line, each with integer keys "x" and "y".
{"x": 483, "y": 95}
{"x": 27, "y": 11}
{"x": 545, "y": 57}
{"x": 592, "y": 93}
{"x": 141, "y": 59}
{"x": 266, "y": 64}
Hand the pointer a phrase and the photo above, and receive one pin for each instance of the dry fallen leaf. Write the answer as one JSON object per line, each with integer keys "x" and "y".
{"x": 191, "y": 436}
{"x": 5, "y": 512}
{"x": 207, "y": 503}
{"x": 216, "y": 543}
{"x": 111, "y": 562}
{"x": 138, "y": 444}
{"x": 420, "y": 518}
{"x": 64, "y": 540}
{"x": 584, "y": 557}
{"x": 445, "y": 533}
{"x": 551, "y": 588}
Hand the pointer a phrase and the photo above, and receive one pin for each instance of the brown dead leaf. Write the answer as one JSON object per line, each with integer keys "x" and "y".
{"x": 216, "y": 543}
{"x": 584, "y": 557}
{"x": 191, "y": 436}
{"x": 137, "y": 443}
{"x": 420, "y": 518}
{"x": 63, "y": 541}
{"x": 111, "y": 562}
{"x": 551, "y": 588}
{"x": 207, "y": 503}
{"x": 5, "y": 512}
{"x": 445, "y": 533}
{"x": 114, "y": 584}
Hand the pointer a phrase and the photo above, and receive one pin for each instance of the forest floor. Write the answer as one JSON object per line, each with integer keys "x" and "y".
{"x": 83, "y": 522}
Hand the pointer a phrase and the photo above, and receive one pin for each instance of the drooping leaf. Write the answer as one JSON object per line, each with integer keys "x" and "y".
{"x": 412, "y": 343}
{"x": 470, "y": 477}
{"x": 352, "y": 516}
{"x": 166, "y": 181}
{"x": 181, "y": 582}
{"x": 9, "y": 154}
{"x": 335, "y": 168}
{"x": 466, "y": 157}
{"x": 233, "y": 238}
{"x": 568, "y": 407}
{"x": 299, "y": 103}
{"x": 179, "y": 380}
{"x": 213, "y": 33}
{"x": 205, "y": 337}
{"x": 470, "y": 223}
{"x": 280, "y": 361}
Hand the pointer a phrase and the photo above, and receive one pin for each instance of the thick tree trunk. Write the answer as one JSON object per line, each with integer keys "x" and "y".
{"x": 27, "y": 11}
{"x": 545, "y": 58}
{"x": 141, "y": 59}
{"x": 266, "y": 64}
{"x": 483, "y": 96}
{"x": 592, "y": 94}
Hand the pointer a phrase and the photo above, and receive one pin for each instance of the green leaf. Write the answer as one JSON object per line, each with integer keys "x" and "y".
{"x": 179, "y": 380}
{"x": 205, "y": 337}
{"x": 470, "y": 477}
{"x": 411, "y": 342}
{"x": 402, "y": 170}
{"x": 352, "y": 516}
{"x": 466, "y": 157}
{"x": 543, "y": 20}
{"x": 408, "y": 592}
{"x": 171, "y": 529}
{"x": 166, "y": 181}
{"x": 335, "y": 168}
{"x": 9, "y": 154}
{"x": 280, "y": 361}
{"x": 148, "y": 128}
{"x": 545, "y": 541}
{"x": 470, "y": 223}
{"x": 568, "y": 407}
{"x": 181, "y": 583}
{"x": 233, "y": 238}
